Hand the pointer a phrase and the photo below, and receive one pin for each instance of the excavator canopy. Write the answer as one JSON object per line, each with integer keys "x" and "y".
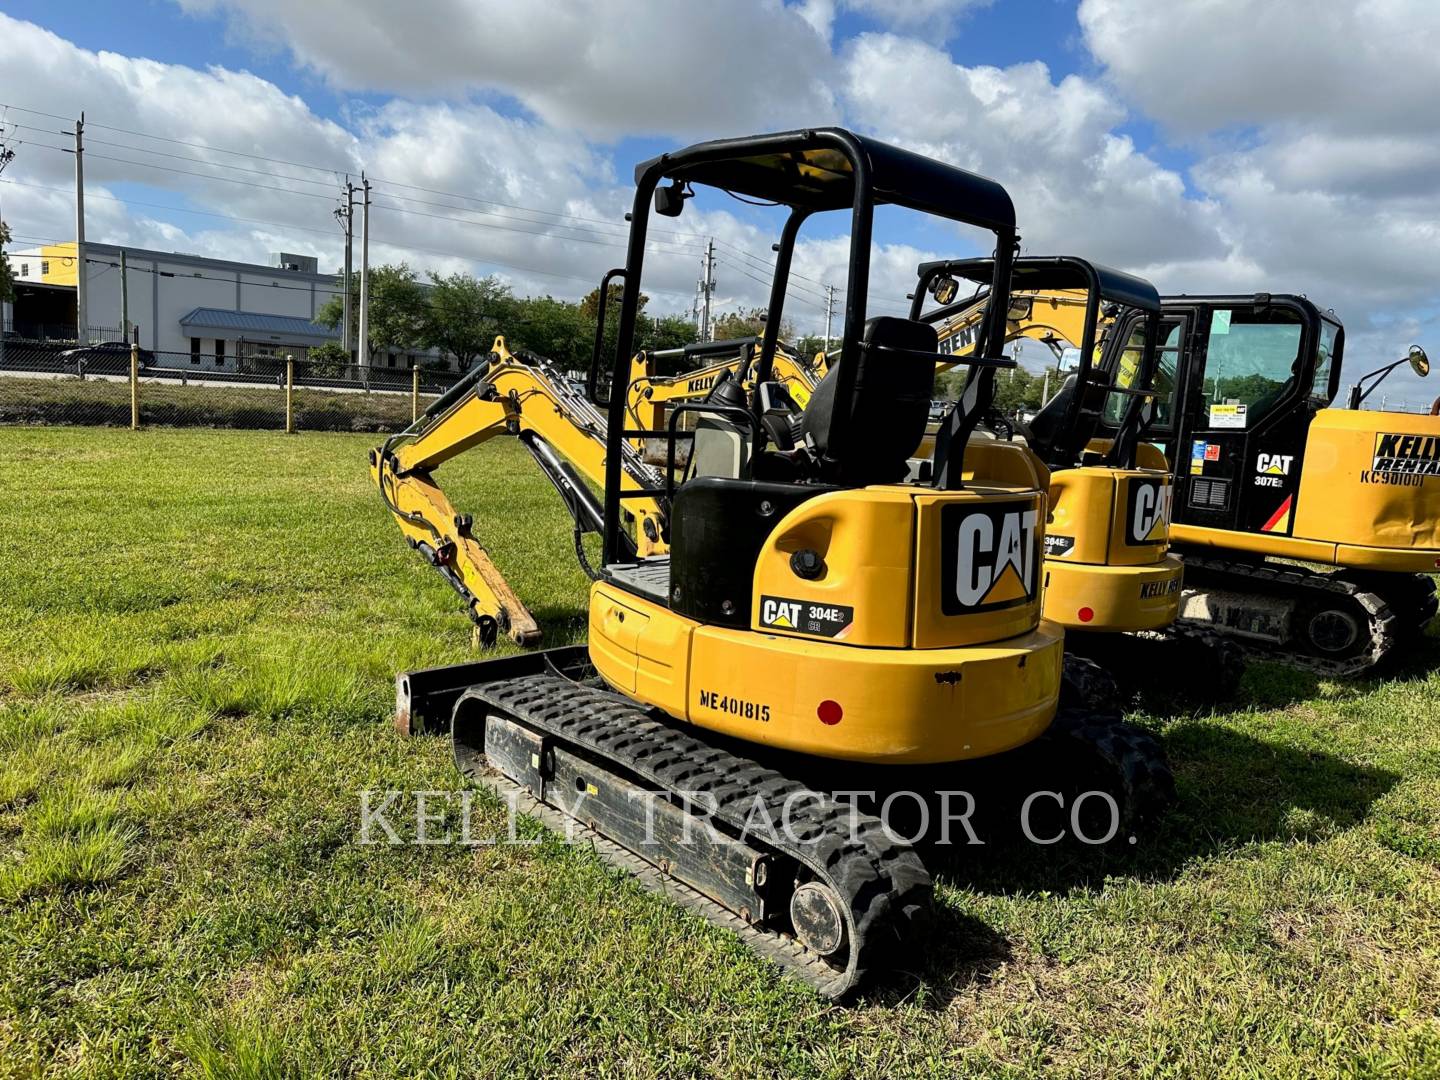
{"x": 815, "y": 169}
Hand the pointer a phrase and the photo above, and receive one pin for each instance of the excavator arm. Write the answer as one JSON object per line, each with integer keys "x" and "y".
{"x": 650, "y": 395}
{"x": 1050, "y": 316}
{"x": 525, "y": 397}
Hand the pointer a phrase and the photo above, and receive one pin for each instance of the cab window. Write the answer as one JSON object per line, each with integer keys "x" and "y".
{"x": 1251, "y": 360}
{"x": 1127, "y": 373}
{"x": 1324, "y": 360}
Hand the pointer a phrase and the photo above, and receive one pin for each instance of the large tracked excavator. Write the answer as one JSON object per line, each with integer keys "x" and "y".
{"x": 821, "y": 615}
{"x": 1309, "y": 533}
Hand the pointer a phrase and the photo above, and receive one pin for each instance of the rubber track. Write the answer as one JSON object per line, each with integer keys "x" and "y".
{"x": 1300, "y": 584}
{"x": 1212, "y": 675}
{"x": 883, "y": 881}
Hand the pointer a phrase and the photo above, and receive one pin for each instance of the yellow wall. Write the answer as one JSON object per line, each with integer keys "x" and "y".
{"x": 60, "y": 264}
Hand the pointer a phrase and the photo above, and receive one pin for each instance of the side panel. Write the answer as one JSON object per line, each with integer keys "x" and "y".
{"x": 860, "y": 594}
{"x": 1372, "y": 480}
{"x": 978, "y": 557}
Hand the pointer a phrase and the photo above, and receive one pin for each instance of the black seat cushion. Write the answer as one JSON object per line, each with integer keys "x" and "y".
{"x": 884, "y": 420}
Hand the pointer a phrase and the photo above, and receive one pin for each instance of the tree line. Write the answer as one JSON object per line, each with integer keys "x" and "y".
{"x": 460, "y": 315}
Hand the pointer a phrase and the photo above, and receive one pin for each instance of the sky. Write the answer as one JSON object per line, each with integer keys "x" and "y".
{"x": 1209, "y": 145}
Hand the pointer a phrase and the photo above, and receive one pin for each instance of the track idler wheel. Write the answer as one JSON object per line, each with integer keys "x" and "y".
{"x": 817, "y": 917}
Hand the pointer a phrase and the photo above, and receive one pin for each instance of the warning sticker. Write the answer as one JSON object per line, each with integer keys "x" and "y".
{"x": 1199, "y": 453}
{"x": 804, "y": 617}
{"x": 1230, "y": 414}
{"x": 1212, "y": 451}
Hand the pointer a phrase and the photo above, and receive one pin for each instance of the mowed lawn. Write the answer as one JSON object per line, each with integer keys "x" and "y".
{"x": 198, "y": 636}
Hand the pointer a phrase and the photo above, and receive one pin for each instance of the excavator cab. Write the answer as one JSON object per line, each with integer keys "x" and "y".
{"x": 820, "y": 612}
{"x": 1266, "y": 470}
{"x": 1109, "y": 577}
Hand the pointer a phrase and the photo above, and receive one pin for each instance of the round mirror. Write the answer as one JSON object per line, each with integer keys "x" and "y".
{"x": 945, "y": 289}
{"x": 1419, "y": 362}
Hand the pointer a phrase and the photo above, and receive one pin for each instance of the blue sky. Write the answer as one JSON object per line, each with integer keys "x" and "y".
{"x": 1211, "y": 146}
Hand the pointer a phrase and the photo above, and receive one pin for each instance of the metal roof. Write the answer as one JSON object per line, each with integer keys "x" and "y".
{"x": 254, "y": 322}
{"x": 812, "y": 168}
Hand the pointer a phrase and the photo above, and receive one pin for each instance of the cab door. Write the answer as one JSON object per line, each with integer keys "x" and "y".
{"x": 1245, "y": 415}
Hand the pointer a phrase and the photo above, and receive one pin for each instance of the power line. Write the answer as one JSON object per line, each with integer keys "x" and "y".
{"x": 335, "y": 172}
{"x": 395, "y": 244}
{"x": 186, "y": 157}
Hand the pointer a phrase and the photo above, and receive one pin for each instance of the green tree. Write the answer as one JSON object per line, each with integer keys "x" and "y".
{"x": 7, "y": 276}
{"x": 809, "y": 345}
{"x": 328, "y": 359}
{"x": 747, "y": 322}
{"x": 555, "y": 329}
{"x": 663, "y": 333}
{"x": 465, "y": 313}
{"x": 398, "y": 310}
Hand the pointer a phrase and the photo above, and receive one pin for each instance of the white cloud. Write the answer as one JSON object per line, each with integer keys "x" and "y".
{"x": 931, "y": 19}
{"x": 651, "y": 67}
{"x": 1314, "y": 133}
{"x": 1359, "y": 66}
{"x": 1078, "y": 187}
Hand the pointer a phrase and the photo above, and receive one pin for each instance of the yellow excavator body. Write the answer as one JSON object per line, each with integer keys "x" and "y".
{"x": 1369, "y": 497}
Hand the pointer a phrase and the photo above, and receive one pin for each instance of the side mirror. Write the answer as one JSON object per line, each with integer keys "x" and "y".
{"x": 669, "y": 201}
{"x": 944, "y": 288}
{"x": 1419, "y": 362}
{"x": 1020, "y": 308}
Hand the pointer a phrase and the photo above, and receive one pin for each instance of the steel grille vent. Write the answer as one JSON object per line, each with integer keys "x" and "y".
{"x": 1208, "y": 494}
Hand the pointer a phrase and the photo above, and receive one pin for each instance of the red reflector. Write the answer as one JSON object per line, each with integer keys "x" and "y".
{"x": 1086, "y": 614}
{"x": 829, "y": 712}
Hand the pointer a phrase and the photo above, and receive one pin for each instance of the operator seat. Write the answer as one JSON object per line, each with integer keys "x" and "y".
{"x": 1049, "y": 436}
{"x": 887, "y": 412}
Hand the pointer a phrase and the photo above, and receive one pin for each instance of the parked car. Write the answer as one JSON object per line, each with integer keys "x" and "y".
{"x": 105, "y": 358}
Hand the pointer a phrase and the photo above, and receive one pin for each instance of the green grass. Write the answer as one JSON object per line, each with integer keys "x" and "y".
{"x": 198, "y": 633}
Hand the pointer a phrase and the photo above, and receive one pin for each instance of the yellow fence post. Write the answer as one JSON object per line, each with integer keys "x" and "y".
{"x": 289, "y": 393}
{"x": 134, "y": 387}
{"x": 415, "y": 393}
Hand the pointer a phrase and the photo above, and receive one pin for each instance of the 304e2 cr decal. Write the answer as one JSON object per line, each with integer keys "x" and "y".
{"x": 989, "y": 557}
{"x": 805, "y": 616}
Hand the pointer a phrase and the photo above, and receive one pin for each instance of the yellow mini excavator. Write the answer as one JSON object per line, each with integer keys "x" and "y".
{"x": 1268, "y": 477}
{"x": 820, "y": 611}
{"x": 1109, "y": 577}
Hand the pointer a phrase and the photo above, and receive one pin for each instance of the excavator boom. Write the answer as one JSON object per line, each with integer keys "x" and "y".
{"x": 525, "y": 397}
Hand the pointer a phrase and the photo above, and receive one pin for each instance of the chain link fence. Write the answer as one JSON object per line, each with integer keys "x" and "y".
{"x": 56, "y": 382}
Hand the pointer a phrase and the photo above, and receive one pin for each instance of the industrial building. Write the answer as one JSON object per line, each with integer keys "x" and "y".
{"x": 219, "y": 312}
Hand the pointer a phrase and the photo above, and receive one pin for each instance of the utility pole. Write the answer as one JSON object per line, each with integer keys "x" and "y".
{"x": 829, "y": 312}
{"x": 82, "y": 311}
{"x": 364, "y": 354}
{"x": 6, "y": 156}
{"x": 346, "y": 217}
{"x": 707, "y": 290}
{"x": 124, "y": 299}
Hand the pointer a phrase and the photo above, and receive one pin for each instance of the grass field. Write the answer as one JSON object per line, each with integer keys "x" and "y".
{"x": 198, "y": 632}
